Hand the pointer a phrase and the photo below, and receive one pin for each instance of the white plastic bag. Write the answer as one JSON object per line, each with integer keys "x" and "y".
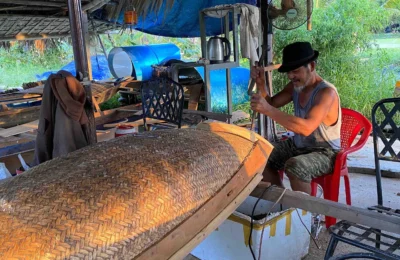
{"x": 4, "y": 173}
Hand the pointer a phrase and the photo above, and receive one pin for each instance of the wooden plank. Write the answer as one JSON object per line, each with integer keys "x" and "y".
{"x": 19, "y": 129}
{"x": 13, "y": 115}
{"x": 35, "y": 90}
{"x": 12, "y": 162}
{"x": 115, "y": 114}
{"x": 107, "y": 135}
{"x": 15, "y": 147}
{"x": 187, "y": 232}
{"x": 330, "y": 208}
{"x": 17, "y": 96}
{"x": 184, "y": 251}
{"x": 194, "y": 97}
{"x": 22, "y": 100}
{"x": 21, "y": 116}
{"x": 96, "y": 105}
{"x": 137, "y": 123}
{"x": 243, "y": 132}
{"x": 210, "y": 115}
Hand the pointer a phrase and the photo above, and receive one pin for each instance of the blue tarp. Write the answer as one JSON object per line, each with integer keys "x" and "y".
{"x": 240, "y": 80}
{"x": 100, "y": 70}
{"x": 182, "y": 20}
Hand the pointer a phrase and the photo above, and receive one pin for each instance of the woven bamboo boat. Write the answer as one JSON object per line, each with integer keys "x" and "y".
{"x": 152, "y": 196}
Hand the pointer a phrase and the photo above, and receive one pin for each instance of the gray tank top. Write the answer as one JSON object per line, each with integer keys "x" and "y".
{"x": 324, "y": 136}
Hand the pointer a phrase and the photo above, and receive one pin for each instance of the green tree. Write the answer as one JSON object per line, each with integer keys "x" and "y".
{"x": 342, "y": 32}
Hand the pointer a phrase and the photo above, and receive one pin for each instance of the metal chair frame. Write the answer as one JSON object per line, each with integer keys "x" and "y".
{"x": 163, "y": 99}
{"x": 360, "y": 236}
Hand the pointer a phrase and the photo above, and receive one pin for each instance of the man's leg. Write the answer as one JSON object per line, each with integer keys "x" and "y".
{"x": 283, "y": 151}
{"x": 272, "y": 176}
{"x": 303, "y": 168}
{"x": 299, "y": 185}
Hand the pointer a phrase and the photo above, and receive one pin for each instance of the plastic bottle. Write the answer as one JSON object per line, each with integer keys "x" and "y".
{"x": 396, "y": 92}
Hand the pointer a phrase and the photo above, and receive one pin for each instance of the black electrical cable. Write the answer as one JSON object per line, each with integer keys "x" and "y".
{"x": 252, "y": 219}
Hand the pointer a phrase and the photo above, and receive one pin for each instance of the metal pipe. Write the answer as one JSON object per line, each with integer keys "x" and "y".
{"x": 78, "y": 40}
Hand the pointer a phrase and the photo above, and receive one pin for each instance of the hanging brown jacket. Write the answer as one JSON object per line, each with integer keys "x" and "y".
{"x": 62, "y": 118}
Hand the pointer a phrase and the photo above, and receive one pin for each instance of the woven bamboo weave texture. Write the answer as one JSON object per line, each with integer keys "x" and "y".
{"x": 115, "y": 199}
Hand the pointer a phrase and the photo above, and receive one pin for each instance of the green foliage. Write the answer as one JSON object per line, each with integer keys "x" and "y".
{"x": 111, "y": 103}
{"x": 348, "y": 57}
{"x": 20, "y": 64}
{"x": 395, "y": 4}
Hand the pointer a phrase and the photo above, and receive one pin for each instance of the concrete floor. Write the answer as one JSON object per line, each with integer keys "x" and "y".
{"x": 363, "y": 161}
{"x": 363, "y": 191}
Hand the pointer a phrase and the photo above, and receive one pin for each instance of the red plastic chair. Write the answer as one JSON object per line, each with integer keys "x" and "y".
{"x": 352, "y": 123}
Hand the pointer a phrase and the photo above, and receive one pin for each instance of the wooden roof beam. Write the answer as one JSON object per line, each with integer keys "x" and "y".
{"x": 93, "y": 5}
{"x": 34, "y": 3}
{"x": 31, "y": 8}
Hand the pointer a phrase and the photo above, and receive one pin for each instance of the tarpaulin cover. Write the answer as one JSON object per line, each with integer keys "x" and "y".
{"x": 182, "y": 20}
{"x": 100, "y": 70}
{"x": 240, "y": 79}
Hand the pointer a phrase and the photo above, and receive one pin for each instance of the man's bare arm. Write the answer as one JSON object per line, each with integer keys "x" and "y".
{"x": 316, "y": 115}
{"x": 282, "y": 98}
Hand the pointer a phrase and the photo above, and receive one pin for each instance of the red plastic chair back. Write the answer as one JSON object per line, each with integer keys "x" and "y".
{"x": 352, "y": 123}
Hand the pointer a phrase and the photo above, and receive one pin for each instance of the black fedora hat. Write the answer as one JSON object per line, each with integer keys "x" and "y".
{"x": 296, "y": 55}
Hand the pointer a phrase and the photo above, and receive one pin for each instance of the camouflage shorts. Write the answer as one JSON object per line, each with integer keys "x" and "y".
{"x": 303, "y": 163}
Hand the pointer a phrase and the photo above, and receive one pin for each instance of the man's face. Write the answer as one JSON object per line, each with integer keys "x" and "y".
{"x": 300, "y": 77}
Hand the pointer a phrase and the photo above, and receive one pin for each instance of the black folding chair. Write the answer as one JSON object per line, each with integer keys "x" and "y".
{"x": 382, "y": 245}
{"x": 163, "y": 99}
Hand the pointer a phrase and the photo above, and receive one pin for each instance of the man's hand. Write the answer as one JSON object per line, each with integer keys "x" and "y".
{"x": 257, "y": 73}
{"x": 259, "y": 104}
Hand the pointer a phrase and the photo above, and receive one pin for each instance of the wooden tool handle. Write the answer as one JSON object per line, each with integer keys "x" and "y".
{"x": 309, "y": 13}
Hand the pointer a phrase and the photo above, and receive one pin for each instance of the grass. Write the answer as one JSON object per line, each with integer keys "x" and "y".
{"x": 15, "y": 77}
{"x": 385, "y": 36}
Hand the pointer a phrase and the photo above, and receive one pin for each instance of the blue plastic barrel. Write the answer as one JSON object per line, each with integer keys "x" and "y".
{"x": 240, "y": 81}
{"x": 136, "y": 61}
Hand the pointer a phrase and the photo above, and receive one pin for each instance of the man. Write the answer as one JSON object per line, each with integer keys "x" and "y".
{"x": 316, "y": 121}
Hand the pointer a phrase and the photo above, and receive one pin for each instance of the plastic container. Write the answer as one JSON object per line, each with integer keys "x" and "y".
{"x": 284, "y": 238}
{"x": 136, "y": 61}
{"x": 125, "y": 130}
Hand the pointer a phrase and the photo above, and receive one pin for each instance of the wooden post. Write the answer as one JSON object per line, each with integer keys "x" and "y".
{"x": 267, "y": 40}
{"x": 76, "y": 18}
{"x": 85, "y": 29}
{"x": 329, "y": 208}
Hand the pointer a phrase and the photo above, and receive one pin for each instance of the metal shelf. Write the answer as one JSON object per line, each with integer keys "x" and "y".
{"x": 215, "y": 66}
{"x": 207, "y": 69}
